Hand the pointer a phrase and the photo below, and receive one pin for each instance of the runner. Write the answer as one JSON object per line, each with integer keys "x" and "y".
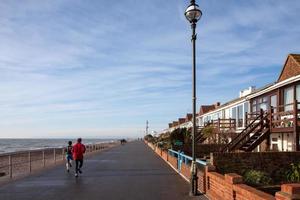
{"x": 69, "y": 156}
{"x": 78, "y": 151}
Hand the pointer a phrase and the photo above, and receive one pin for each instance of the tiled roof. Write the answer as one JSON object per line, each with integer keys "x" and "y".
{"x": 291, "y": 67}
{"x": 296, "y": 57}
{"x": 206, "y": 108}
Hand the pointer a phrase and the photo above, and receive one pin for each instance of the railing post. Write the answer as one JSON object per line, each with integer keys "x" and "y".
{"x": 10, "y": 166}
{"x": 178, "y": 161}
{"x": 295, "y": 121}
{"x": 271, "y": 118}
{"x": 54, "y": 155}
{"x": 44, "y": 160}
{"x": 29, "y": 161}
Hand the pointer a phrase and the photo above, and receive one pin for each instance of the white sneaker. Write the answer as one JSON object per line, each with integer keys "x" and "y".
{"x": 76, "y": 175}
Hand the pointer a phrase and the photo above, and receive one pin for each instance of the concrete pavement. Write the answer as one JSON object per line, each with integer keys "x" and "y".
{"x": 128, "y": 172}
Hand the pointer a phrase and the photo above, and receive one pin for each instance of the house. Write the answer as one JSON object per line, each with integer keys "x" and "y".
{"x": 259, "y": 119}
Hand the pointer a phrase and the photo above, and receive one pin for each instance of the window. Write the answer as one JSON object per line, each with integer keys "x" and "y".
{"x": 254, "y": 106}
{"x": 298, "y": 94}
{"x": 240, "y": 116}
{"x": 233, "y": 113}
{"x": 246, "y": 105}
{"x": 261, "y": 103}
{"x": 274, "y": 102}
{"x": 227, "y": 114}
{"x": 288, "y": 99}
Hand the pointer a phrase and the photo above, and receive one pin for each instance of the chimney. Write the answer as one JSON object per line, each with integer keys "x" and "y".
{"x": 217, "y": 104}
{"x": 247, "y": 91}
{"x": 181, "y": 120}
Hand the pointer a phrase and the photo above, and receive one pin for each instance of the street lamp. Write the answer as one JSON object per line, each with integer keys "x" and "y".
{"x": 193, "y": 14}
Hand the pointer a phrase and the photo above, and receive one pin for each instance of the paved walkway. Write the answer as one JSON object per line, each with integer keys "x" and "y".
{"x": 132, "y": 171}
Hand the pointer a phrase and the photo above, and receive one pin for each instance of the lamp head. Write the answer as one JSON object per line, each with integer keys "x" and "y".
{"x": 193, "y": 13}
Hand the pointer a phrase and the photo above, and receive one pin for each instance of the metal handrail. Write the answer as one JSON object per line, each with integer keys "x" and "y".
{"x": 201, "y": 162}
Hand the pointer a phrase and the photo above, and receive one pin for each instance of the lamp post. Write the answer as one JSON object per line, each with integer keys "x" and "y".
{"x": 193, "y": 14}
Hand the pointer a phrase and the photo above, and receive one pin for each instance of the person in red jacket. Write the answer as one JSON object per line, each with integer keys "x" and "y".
{"x": 78, "y": 151}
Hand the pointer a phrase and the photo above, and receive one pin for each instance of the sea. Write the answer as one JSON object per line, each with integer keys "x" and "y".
{"x": 13, "y": 145}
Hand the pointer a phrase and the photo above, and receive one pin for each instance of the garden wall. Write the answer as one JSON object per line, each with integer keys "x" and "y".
{"x": 229, "y": 186}
{"x": 275, "y": 164}
{"x": 203, "y": 150}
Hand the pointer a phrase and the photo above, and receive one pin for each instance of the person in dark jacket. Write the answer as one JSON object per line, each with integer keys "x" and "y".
{"x": 78, "y": 151}
{"x": 69, "y": 156}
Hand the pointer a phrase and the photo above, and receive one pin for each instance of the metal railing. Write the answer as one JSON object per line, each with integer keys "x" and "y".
{"x": 24, "y": 162}
{"x": 182, "y": 158}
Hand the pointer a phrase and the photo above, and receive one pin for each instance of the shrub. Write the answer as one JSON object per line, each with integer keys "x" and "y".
{"x": 257, "y": 178}
{"x": 293, "y": 173}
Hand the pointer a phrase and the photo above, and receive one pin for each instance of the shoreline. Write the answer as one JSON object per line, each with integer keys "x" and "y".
{"x": 20, "y": 163}
{"x": 27, "y": 147}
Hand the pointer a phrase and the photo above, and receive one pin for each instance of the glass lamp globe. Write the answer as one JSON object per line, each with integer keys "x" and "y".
{"x": 193, "y": 13}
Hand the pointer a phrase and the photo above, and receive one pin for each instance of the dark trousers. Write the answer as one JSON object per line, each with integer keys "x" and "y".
{"x": 79, "y": 163}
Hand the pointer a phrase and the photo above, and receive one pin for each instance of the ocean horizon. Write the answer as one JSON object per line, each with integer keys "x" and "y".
{"x": 8, "y": 145}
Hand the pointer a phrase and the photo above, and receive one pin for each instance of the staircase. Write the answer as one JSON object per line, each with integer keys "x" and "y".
{"x": 199, "y": 138}
{"x": 254, "y": 133}
{"x": 255, "y": 140}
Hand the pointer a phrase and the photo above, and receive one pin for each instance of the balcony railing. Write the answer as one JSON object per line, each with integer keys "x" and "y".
{"x": 283, "y": 120}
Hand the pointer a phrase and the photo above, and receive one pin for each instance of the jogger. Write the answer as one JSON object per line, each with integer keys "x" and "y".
{"x": 79, "y": 164}
{"x": 69, "y": 156}
{"x": 78, "y": 151}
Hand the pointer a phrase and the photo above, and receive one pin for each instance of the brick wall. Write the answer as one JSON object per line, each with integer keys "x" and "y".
{"x": 229, "y": 186}
{"x": 164, "y": 155}
{"x": 173, "y": 161}
{"x": 185, "y": 171}
{"x": 202, "y": 149}
{"x": 272, "y": 163}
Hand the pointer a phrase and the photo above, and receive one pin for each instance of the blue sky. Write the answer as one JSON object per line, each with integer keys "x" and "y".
{"x": 100, "y": 68}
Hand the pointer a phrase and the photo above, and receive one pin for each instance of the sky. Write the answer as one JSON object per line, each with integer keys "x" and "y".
{"x": 101, "y": 69}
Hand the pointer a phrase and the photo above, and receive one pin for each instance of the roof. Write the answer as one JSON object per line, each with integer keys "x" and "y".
{"x": 206, "y": 108}
{"x": 291, "y": 67}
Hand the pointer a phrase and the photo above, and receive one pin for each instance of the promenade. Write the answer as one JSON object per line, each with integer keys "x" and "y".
{"x": 128, "y": 172}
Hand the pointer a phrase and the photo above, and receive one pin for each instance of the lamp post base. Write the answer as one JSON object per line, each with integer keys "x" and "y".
{"x": 194, "y": 180}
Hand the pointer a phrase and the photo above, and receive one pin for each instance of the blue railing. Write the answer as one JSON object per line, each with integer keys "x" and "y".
{"x": 182, "y": 158}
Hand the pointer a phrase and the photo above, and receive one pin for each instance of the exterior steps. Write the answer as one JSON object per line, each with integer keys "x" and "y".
{"x": 255, "y": 140}
{"x": 259, "y": 127}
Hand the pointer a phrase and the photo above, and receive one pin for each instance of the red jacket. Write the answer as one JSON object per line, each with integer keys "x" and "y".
{"x": 78, "y": 151}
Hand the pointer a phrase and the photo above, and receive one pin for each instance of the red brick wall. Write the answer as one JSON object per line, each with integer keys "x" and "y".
{"x": 185, "y": 170}
{"x": 201, "y": 181}
{"x": 173, "y": 161}
{"x": 164, "y": 155}
{"x": 229, "y": 186}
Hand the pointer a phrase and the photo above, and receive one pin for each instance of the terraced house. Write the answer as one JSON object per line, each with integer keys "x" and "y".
{"x": 264, "y": 119}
